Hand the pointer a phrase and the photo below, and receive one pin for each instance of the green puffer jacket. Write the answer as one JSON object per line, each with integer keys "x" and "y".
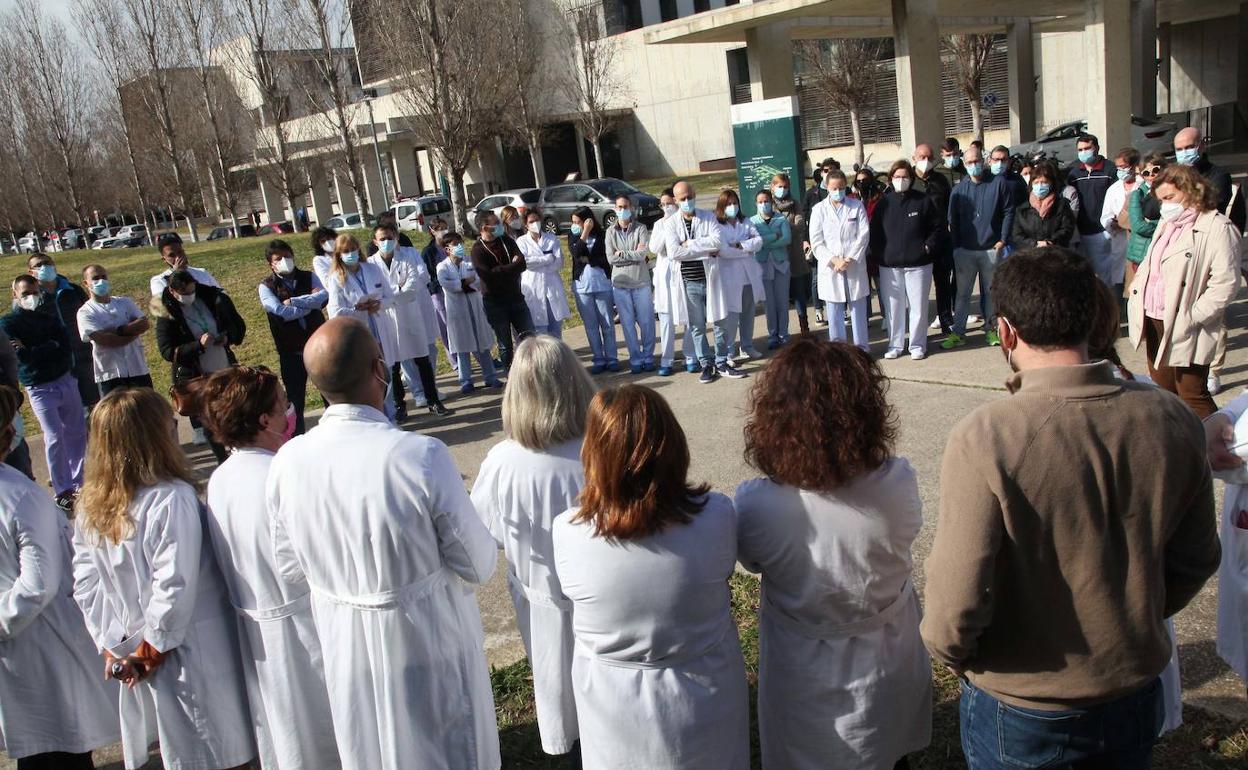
{"x": 1144, "y": 212}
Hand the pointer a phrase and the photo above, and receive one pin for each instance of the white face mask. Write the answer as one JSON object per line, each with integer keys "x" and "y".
{"x": 187, "y": 299}
{"x": 901, "y": 185}
{"x": 1171, "y": 211}
{"x": 923, "y": 166}
{"x": 285, "y": 266}
{"x": 30, "y": 301}
{"x": 327, "y": 247}
{"x": 670, "y": 209}
{"x": 535, "y": 227}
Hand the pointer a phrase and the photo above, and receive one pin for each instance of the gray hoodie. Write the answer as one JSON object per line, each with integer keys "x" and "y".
{"x": 628, "y": 268}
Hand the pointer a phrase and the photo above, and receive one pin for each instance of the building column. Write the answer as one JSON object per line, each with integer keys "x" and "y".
{"x": 342, "y": 192}
{"x": 274, "y": 206}
{"x": 374, "y": 191}
{"x": 684, "y": 8}
{"x": 406, "y": 175}
{"x": 916, "y": 35}
{"x": 771, "y": 71}
{"x": 1240, "y": 128}
{"x": 1109, "y": 65}
{"x": 1163, "y": 67}
{"x": 1144, "y": 51}
{"x": 318, "y": 191}
{"x": 650, "y": 12}
{"x": 1022, "y": 78}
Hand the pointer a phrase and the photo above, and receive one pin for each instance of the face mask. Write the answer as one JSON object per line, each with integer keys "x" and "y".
{"x": 1042, "y": 189}
{"x": 576, "y": 229}
{"x": 498, "y": 231}
{"x": 1187, "y": 157}
{"x": 517, "y": 224}
{"x": 624, "y": 214}
{"x": 535, "y": 227}
{"x": 1170, "y": 210}
{"x": 388, "y": 382}
{"x": 837, "y": 195}
{"x": 30, "y": 301}
{"x": 1009, "y": 352}
{"x": 952, "y": 161}
{"x": 46, "y": 273}
{"x": 686, "y": 206}
{"x": 1086, "y": 156}
{"x": 730, "y": 211}
{"x": 670, "y": 209}
{"x": 976, "y": 170}
{"x": 386, "y": 246}
{"x": 765, "y": 208}
{"x": 187, "y": 299}
{"x": 350, "y": 257}
{"x": 285, "y": 266}
{"x": 458, "y": 250}
{"x": 100, "y": 287}
{"x": 996, "y": 167}
{"x": 327, "y": 247}
{"x": 1124, "y": 174}
{"x": 923, "y": 166}
{"x": 901, "y": 185}
{"x": 780, "y": 192}
{"x": 288, "y": 432}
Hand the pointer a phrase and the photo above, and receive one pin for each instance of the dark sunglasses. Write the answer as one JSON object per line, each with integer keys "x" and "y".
{"x": 1151, "y": 171}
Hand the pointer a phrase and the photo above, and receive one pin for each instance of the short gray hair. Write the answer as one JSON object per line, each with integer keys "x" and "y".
{"x": 547, "y": 396}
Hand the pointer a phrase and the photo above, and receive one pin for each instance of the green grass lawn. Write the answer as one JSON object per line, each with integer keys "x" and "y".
{"x": 1204, "y": 741}
{"x": 711, "y": 182}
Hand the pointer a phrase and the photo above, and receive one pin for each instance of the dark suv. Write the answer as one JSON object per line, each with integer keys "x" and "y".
{"x": 598, "y": 195}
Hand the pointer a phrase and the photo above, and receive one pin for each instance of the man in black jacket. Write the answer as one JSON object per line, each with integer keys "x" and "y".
{"x": 1092, "y": 177}
{"x": 936, "y": 186}
{"x": 293, "y": 301}
{"x": 499, "y": 263}
{"x": 62, "y": 298}
{"x": 1189, "y": 149}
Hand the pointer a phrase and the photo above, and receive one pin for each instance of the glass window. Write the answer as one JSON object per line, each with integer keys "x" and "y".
{"x": 565, "y": 194}
{"x": 667, "y": 10}
{"x": 613, "y": 188}
{"x": 531, "y": 196}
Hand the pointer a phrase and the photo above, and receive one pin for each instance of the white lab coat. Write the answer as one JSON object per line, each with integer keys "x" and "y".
{"x": 406, "y": 314}
{"x": 669, "y": 286}
{"x": 1115, "y": 199}
{"x": 423, "y": 298}
{"x": 282, "y": 658}
{"x": 52, "y": 693}
{"x": 542, "y": 280}
{"x": 844, "y": 678}
{"x": 162, "y": 585}
{"x": 703, "y": 244}
{"x": 343, "y": 296}
{"x": 467, "y": 328}
{"x": 659, "y": 677}
{"x": 841, "y": 232}
{"x": 378, "y": 523}
{"x": 323, "y": 266}
{"x": 518, "y": 494}
{"x": 728, "y": 274}
{"x": 1233, "y": 572}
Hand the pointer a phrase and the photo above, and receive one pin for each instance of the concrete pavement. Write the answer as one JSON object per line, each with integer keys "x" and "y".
{"x": 929, "y": 396}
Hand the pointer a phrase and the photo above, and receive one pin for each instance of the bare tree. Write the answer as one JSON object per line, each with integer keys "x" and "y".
{"x": 259, "y": 23}
{"x": 14, "y": 152}
{"x": 452, "y": 85}
{"x": 970, "y": 56}
{"x": 598, "y": 92}
{"x": 530, "y": 83}
{"x": 844, "y": 72}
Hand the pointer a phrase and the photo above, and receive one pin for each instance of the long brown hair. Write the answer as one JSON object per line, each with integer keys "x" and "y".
{"x": 726, "y": 198}
{"x": 636, "y": 463}
{"x": 345, "y": 242}
{"x": 131, "y": 447}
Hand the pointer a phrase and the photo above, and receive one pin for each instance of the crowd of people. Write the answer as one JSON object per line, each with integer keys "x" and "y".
{"x": 313, "y": 607}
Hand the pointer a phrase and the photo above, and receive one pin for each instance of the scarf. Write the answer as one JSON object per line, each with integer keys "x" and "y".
{"x": 1155, "y": 289}
{"x": 1043, "y": 205}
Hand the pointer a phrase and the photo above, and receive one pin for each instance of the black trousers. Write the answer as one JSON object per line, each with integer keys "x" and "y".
{"x": 427, "y": 382}
{"x": 295, "y": 379}
{"x": 56, "y": 760}
{"x": 139, "y": 381}
{"x": 944, "y": 277}
{"x": 507, "y": 315}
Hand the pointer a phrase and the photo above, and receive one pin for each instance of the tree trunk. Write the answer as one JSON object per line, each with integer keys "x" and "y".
{"x": 459, "y": 203}
{"x": 977, "y": 119}
{"x": 855, "y": 124}
{"x": 134, "y": 168}
{"x": 539, "y": 173}
{"x": 598, "y": 157}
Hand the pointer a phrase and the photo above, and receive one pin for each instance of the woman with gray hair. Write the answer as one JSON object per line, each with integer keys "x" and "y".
{"x": 525, "y": 481}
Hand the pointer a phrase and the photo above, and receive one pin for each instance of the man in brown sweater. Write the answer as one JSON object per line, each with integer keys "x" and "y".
{"x": 1075, "y": 516}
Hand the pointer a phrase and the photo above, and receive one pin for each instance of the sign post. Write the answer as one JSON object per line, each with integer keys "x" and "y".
{"x": 766, "y": 135}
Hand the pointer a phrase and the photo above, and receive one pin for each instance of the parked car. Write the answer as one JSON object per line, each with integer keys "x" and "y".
{"x": 416, "y": 213}
{"x": 598, "y": 195}
{"x": 522, "y": 199}
{"x": 1058, "y": 144}
{"x": 351, "y": 221}
{"x": 30, "y": 243}
{"x": 226, "y": 231}
{"x": 94, "y": 232}
{"x": 74, "y": 238}
{"x": 132, "y": 235}
{"x": 105, "y": 238}
{"x": 276, "y": 228}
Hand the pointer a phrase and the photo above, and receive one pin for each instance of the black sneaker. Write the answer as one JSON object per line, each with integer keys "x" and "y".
{"x": 730, "y": 371}
{"x": 708, "y": 375}
{"x": 65, "y": 501}
{"x": 400, "y": 413}
{"x": 439, "y": 410}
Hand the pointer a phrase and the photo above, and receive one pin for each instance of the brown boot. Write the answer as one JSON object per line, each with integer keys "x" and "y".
{"x": 803, "y": 323}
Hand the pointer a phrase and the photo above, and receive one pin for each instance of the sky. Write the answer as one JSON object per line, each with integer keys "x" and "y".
{"x": 58, "y": 8}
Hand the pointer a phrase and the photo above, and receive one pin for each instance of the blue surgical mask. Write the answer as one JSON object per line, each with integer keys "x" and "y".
{"x": 100, "y": 288}
{"x": 996, "y": 167}
{"x": 687, "y": 206}
{"x": 1124, "y": 174}
{"x": 575, "y": 229}
{"x": 731, "y": 210}
{"x": 458, "y": 250}
{"x": 765, "y": 208}
{"x": 386, "y": 246}
{"x": 780, "y": 192}
{"x": 837, "y": 195}
{"x": 498, "y": 230}
{"x": 1042, "y": 189}
{"x": 350, "y": 257}
{"x": 624, "y": 214}
{"x": 952, "y": 161}
{"x": 1086, "y": 156}
{"x": 1188, "y": 156}
{"x": 46, "y": 273}
{"x": 975, "y": 169}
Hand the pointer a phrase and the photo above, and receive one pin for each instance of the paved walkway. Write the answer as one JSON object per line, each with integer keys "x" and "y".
{"x": 930, "y": 396}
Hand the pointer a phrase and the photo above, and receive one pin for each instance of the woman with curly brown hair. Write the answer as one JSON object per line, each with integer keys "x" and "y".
{"x": 844, "y": 679}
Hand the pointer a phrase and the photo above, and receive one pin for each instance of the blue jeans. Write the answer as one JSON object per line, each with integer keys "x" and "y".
{"x": 776, "y": 302}
{"x": 636, "y": 308}
{"x": 1112, "y": 736}
{"x": 486, "y": 362}
{"x": 595, "y": 310}
{"x": 725, "y": 331}
{"x": 695, "y": 301}
{"x": 553, "y": 328}
{"x": 971, "y": 264}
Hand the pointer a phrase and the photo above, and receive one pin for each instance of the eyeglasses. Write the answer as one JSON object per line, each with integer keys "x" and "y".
{"x": 1151, "y": 171}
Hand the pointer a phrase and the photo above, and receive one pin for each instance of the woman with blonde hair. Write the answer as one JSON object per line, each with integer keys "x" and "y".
{"x": 151, "y": 591}
{"x": 513, "y": 223}
{"x": 1181, "y": 290}
{"x": 644, "y": 560}
{"x": 56, "y": 708}
{"x": 527, "y": 480}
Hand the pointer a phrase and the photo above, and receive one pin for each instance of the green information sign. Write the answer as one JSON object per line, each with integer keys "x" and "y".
{"x": 768, "y": 142}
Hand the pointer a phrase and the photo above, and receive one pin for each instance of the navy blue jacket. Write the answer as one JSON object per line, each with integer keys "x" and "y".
{"x": 1092, "y": 184}
{"x": 45, "y": 354}
{"x": 981, "y": 215}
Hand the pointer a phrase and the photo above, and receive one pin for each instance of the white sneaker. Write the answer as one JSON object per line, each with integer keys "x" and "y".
{"x": 198, "y": 438}
{"x": 892, "y": 354}
{"x": 1214, "y": 384}
{"x": 918, "y": 355}
{"x": 972, "y": 319}
{"x": 934, "y": 325}
{"x": 421, "y": 401}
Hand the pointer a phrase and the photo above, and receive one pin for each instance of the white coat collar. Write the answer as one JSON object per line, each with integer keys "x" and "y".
{"x": 353, "y": 413}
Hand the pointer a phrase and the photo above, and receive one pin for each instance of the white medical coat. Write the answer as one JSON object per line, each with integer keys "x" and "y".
{"x": 735, "y": 268}
{"x": 518, "y": 493}
{"x": 406, "y": 314}
{"x": 423, "y": 298}
{"x": 1233, "y": 572}
{"x": 1115, "y": 200}
{"x": 659, "y": 677}
{"x": 542, "y": 279}
{"x": 369, "y": 281}
{"x": 378, "y": 523}
{"x": 162, "y": 585}
{"x": 669, "y": 286}
{"x": 467, "y": 328}
{"x": 282, "y": 658}
{"x": 844, "y": 678}
{"x": 52, "y": 693}
{"x": 841, "y": 232}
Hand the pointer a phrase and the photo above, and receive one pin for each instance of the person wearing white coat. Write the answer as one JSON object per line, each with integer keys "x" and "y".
{"x": 542, "y": 282}
{"x": 1114, "y": 214}
{"x": 839, "y": 236}
{"x": 844, "y": 678}
{"x": 468, "y": 330}
{"x": 669, "y": 294}
{"x": 152, "y": 593}
{"x": 1221, "y": 433}
{"x": 526, "y": 481}
{"x": 692, "y": 242}
{"x": 246, "y": 409}
{"x": 657, "y": 669}
{"x": 377, "y": 522}
{"x": 54, "y": 706}
{"x": 733, "y": 281}
{"x": 409, "y": 285}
